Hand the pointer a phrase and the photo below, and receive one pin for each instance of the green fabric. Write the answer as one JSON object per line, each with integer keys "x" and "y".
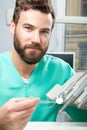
{"x": 48, "y": 72}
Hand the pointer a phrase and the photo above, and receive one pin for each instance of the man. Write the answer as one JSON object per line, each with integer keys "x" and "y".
{"x": 27, "y": 74}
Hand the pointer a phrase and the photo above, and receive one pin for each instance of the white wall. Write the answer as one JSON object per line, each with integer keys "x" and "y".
{"x": 5, "y": 36}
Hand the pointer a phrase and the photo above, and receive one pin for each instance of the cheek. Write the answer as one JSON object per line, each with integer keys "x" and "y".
{"x": 21, "y": 37}
{"x": 21, "y": 34}
{"x": 45, "y": 41}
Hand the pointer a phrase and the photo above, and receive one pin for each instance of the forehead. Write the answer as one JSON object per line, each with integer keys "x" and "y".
{"x": 35, "y": 17}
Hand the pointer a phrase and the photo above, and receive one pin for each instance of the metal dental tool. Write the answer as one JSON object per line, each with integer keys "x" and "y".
{"x": 83, "y": 102}
{"x": 47, "y": 102}
{"x": 75, "y": 95}
{"x": 66, "y": 91}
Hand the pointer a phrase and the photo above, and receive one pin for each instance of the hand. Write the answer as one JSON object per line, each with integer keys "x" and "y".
{"x": 15, "y": 114}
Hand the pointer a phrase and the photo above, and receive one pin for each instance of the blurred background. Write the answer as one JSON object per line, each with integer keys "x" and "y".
{"x": 69, "y": 34}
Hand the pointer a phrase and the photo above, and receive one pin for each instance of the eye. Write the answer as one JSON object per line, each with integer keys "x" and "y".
{"x": 28, "y": 28}
{"x": 45, "y": 32}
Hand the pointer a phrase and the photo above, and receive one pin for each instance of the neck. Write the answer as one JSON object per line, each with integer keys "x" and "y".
{"x": 23, "y": 68}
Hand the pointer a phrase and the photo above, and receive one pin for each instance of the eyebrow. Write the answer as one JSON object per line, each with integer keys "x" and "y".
{"x": 27, "y": 24}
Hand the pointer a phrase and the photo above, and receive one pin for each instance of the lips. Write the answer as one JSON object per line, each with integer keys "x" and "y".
{"x": 33, "y": 46}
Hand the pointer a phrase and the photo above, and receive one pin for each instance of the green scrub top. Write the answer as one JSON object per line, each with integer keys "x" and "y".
{"x": 47, "y": 73}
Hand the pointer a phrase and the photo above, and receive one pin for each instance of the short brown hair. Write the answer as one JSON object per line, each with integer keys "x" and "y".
{"x": 45, "y": 6}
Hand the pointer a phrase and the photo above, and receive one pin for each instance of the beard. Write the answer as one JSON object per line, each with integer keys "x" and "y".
{"x": 32, "y": 56}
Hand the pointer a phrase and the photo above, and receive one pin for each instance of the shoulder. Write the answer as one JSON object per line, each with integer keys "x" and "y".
{"x": 4, "y": 54}
{"x": 57, "y": 66}
{"x": 55, "y": 61}
{"x": 4, "y": 57}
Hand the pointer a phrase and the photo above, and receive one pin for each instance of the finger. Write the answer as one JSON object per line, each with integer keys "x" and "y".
{"x": 21, "y": 99}
{"x": 25, "y": 104}
{"x": 22, "y": 123}
{"x": 25, "y": 123}
{"x": 23, "y": 114}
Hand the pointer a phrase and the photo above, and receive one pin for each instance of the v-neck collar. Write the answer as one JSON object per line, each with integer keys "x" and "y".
{"x": 18, "y": 76}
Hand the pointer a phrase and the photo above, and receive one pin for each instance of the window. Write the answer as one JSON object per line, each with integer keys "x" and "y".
{"x": 76, "y": 32}
{"x": 70, "y": 33}
{"x": 84, "y": 7}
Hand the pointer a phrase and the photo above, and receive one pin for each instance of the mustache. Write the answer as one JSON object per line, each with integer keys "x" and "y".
{"x": 35, "y": 46}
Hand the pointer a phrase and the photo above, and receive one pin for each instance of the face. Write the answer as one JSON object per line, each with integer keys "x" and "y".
{"x": 32, "y": 35}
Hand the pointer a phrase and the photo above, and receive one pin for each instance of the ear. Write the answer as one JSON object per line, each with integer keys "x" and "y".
{"x": 12, "y": 27}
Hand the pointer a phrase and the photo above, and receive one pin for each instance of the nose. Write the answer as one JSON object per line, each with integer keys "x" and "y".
{"x": 36, "y": 37}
